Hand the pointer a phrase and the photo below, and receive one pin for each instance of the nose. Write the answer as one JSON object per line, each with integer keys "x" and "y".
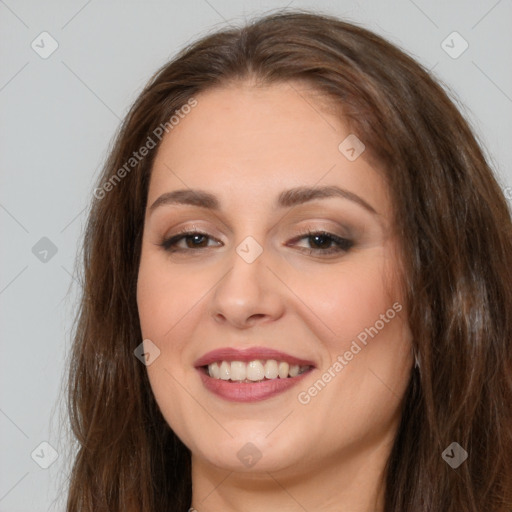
{"x": 248, "y": 294}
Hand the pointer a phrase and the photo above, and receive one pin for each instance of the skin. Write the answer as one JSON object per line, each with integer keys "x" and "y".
{"x": 245, "y": 144}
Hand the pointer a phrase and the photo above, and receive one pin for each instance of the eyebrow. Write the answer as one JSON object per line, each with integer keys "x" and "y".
{"x": 286, "y": 199}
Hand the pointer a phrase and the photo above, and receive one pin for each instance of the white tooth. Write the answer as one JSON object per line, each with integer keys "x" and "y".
{"x": 283, "y": 370}
{"x": 294, "y": 370}
{"x": 225, "y": 370}
{"x": 255, "y": 371}
{"x": 271, "y": 369}
{"x": 213, "y": 370}
{"x": 238, "y": 370}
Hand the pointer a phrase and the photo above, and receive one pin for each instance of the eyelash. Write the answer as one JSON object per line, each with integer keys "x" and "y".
{"x": 344, "y": 244}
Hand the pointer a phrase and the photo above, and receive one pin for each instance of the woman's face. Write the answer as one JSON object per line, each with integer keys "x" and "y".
{"x": 256, "y": 298}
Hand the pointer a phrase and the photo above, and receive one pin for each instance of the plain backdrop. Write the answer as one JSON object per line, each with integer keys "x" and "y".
{"x": 59, "y": 114}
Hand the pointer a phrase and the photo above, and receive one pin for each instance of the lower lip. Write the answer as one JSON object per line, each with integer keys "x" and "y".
{"x": 249, "y": 392}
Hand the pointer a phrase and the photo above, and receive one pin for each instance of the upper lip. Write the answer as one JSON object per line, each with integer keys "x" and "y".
{"x": 249, "y": 354}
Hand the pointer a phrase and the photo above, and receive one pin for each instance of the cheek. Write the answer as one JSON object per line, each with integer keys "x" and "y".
{"x": 350, "y": 300}
{"x": 368, "y": 344}
{"x": 170, "y": 302}
{"x": 164, "y": 296}
{"x": 367, "y": 349}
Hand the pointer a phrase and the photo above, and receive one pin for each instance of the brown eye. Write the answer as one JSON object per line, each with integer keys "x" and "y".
{"x": 193, "y": 239}
{"x": 322, "y": 242}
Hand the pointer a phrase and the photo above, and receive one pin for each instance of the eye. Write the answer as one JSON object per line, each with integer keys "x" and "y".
{"x": 324, "y": 241}
{"x": 197, "y": 240}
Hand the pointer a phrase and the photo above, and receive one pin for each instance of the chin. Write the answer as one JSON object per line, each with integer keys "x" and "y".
{"x": 250, "y": 453}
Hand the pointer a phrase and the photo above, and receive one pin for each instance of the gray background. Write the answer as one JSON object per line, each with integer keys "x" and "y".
{"x": 58, "y": 117}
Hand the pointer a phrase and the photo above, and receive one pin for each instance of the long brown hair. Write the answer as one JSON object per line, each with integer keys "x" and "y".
{"x": 456, "y": 254}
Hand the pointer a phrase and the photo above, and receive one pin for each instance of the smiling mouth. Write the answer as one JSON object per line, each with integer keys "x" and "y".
{"x": 252, "y": 374}
{"x": 258, "y": 370}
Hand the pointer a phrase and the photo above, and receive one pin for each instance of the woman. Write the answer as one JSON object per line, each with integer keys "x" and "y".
{"x": 297, "y": 288}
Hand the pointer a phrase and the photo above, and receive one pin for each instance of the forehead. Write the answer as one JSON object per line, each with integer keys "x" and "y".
{"x": 253, "y": 142}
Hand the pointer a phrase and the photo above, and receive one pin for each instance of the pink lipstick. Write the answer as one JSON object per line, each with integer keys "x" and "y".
{"x": 253, "y": 374}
